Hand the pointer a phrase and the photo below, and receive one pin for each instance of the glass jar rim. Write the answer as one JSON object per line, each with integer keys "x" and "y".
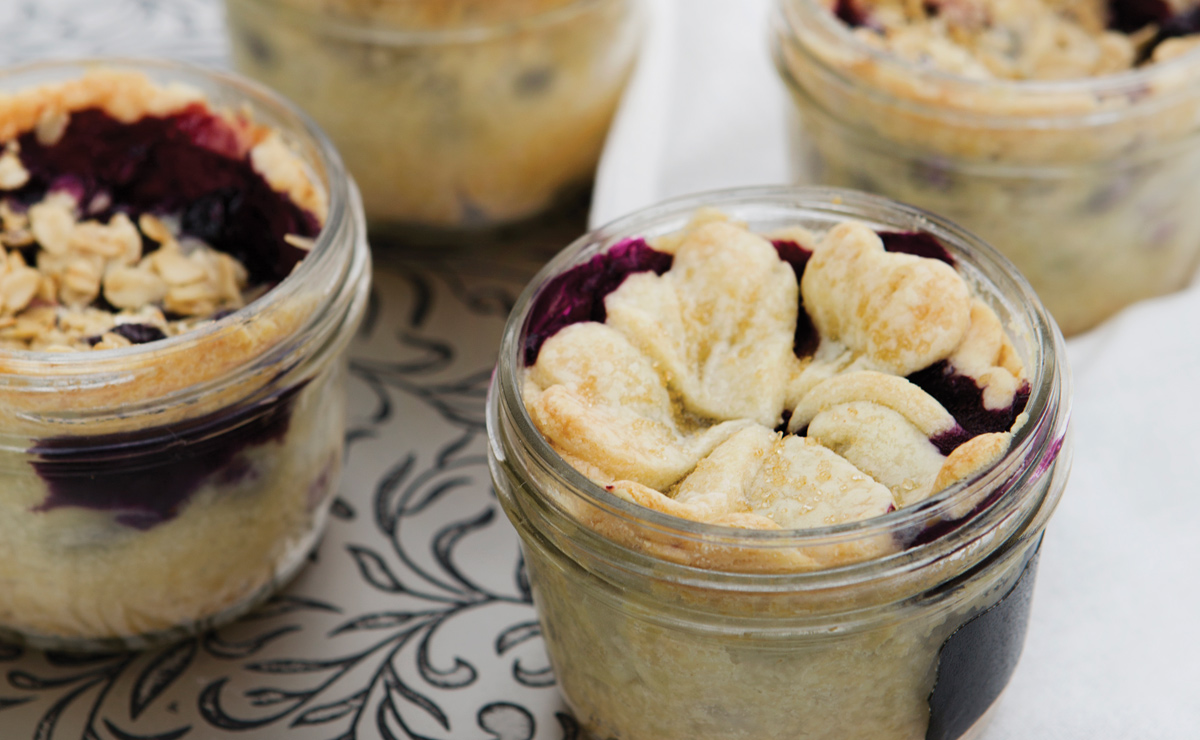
{"x": 367, "y": 31}
{"x": 1131, "y": 83}
{"x": 320, "y": 258}
{"x": 1034, "y": 446}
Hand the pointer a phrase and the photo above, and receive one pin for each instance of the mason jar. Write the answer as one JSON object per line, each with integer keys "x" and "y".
{"x": 1086, "y": 184}
{"x": 913, "y": 640}
{"x": 159, "y": 489}
{"x": 455, "y": 117}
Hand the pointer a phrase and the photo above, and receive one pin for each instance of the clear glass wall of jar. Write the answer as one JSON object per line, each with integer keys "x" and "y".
{"x": 1086, "y": 184}
{"x": 455, "y": 117}
{"x": 160, "y": 489}
{"x": 645, "y": 646}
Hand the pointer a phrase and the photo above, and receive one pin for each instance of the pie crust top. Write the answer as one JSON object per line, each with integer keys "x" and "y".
{"x": 787, "y": 381}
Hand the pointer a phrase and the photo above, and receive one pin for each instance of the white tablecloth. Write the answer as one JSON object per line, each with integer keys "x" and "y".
{"x": 1112, "y": 651}
{"x": 1113, "y": 647}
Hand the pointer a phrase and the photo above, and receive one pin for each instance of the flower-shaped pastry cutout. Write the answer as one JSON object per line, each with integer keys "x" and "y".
{"x": 721, "y": 481}
{"x": 803, "y": 485}
{"x": 899, "y": 311}
{"x": 760, "y": 479}
{"x": 719, "y": 324}
{"x": 677, "y": 402}
{"x": 883, "y": 444}
{"x": 891, "y": 429}
{"x": 893, "y": 392}
{"x": 597, "y": 398}
{"x": 793, "y": 482}
{"x": 987, "y": 356}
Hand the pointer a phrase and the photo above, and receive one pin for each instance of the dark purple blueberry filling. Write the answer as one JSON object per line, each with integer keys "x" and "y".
{"x": 139, "y": 333}
{"x": 1128, "y": 16}
{"x": 784, "y": 418}
{"x": 578, "y": 294}
{"x": 850, "y": 13}
{"x": 145, "y": 477}
{"x": 961, "y": 396}
{"x": 948, "y": 442}
{"x": 806, "y": 338}
{"x": 976, "y": 662}
{"x": 1184, "y": 24}
{"x": 187, "y": 163}
{"x": 922, "y": 534}
{"x": 919, "y": 243}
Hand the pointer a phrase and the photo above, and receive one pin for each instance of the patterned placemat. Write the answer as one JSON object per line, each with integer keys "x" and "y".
{"x": 413, "y": 619}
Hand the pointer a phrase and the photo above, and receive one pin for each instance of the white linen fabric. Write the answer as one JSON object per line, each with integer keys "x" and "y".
{"x": 1112, "y": 650}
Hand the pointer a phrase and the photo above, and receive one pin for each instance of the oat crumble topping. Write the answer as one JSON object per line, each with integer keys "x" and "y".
{"x": 114, "y": 254}
{"x": 73, "y": 284}
{"x": 1025, "y": 39}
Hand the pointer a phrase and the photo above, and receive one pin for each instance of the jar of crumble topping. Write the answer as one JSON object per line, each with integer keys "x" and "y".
{"x": 1070, "y": 146}
{"x": 455, "y": 117}
{"x": 664, "y": 627}
{"x": 169, "y": 442}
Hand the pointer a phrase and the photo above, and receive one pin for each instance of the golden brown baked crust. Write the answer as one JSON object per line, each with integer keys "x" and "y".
{"x": 96, "y": 256}
{"x": 674, "y": 401}
{"x": 130, "y": 96}
{"x": 1013, "y": 39}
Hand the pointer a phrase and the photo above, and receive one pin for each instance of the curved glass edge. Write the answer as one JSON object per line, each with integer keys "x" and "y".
{"x": 368, "y": 31}
{"x": 791, "y": 17}
{"x": 1031, "y": 455}
{"x": 289, "y": 567}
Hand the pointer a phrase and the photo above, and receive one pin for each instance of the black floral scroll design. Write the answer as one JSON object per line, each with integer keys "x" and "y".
{"x": 387, "y": 666}
{"x": 390, "y": 684}
{"x": 481, "y": 297}
{"x": 519, "y": 634}
{"x": 401, "y": 683}
{"x": 485, "y": 285}
{"x": 88, "y": 684}
{"x": 428, "y": 368}
{"x": 458, "y": 401}
{"x": 65, "y": 680}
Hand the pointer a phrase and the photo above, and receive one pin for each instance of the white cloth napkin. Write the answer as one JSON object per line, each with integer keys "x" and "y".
{"x": 1113, "y": 649}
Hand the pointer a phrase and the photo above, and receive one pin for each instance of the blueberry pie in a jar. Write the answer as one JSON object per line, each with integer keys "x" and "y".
{"x": 781, "y": 473}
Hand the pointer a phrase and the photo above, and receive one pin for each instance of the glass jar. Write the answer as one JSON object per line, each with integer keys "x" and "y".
{"x": 1086, "y": 184}
{"x": 915, "y": 643}
{"x": 160, "y": 489}
{"x": 455, "y": 117}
